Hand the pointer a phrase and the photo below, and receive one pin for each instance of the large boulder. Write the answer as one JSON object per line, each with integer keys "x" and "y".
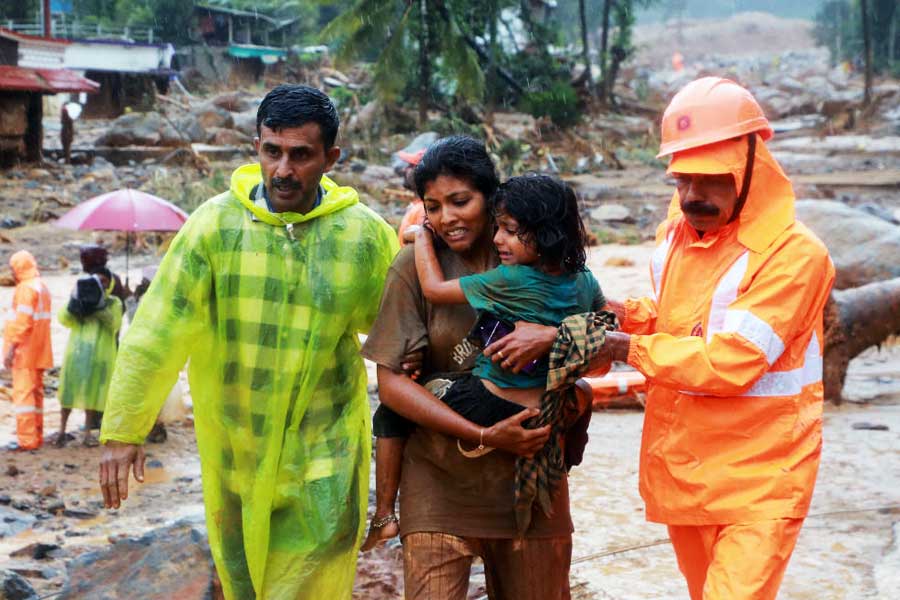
{"x": 142, "y": 129}
{"x": 235, "y": 101}
{"x": 192, "y": 129}
{"x": 170, "y": 562}
{"x": 245, "y": 122}
{"x": 863, "y": 247}
{"x": 209, "y": 115}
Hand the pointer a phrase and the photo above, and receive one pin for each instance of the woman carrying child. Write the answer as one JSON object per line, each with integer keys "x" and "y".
{"x": 453, "y": 507}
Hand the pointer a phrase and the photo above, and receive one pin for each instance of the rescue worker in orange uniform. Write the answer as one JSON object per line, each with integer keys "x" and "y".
{"x": 26, "y": 349}
{"x": 731, "y": 345}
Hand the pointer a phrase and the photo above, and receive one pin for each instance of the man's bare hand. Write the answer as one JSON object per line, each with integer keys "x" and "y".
{"x": 118, "y": 458}
{"x": 527, "y": 342}
{"x": 411, "y": 364}
{"x": 509, "y": 435}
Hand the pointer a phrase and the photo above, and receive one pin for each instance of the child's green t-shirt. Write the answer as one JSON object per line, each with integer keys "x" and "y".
{"x": 523, "y": 293}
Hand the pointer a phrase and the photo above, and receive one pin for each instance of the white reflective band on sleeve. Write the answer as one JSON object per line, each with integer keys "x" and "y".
{"x": 754, "y": 330}
{"x": 45, "y": 316}
{"x": 790, "y": 383}
{"x": 25, "y": 309}
{"x": 20, "y": 410}
{"x": 725, "y": 294}
{"x": 658, "y": 264}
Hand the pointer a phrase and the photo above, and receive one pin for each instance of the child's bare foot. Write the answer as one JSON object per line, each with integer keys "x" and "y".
{"x": 381, "y": 530}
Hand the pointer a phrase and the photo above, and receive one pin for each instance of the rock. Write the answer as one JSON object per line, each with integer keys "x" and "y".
{"x": 209, "y": 115}
{"x": 37, "y": 551}
{"x": 334, "y": 74}
{"x": 14, "y": 521}
{"x": 12, "y": 471}
{"x": 235, "y": 102}
{"x": 142, "y": 129}
{"x": 154, "y": 463}
{"x": 364, "y": 119}
{"x": 517, "y": 126}
{"x": 49, "y": 490}
{"x": 229, "y": 137}
{"x": 332, "y": 82}
{"x": 245, "y": 122}
{"x": 31, "y": 570}
{"x": 865, "y": 425}
{"x": 190, "y": 126}
{"x": 38, "y": 174}
{"x": 420, "y": 142}
{"x": 169, "y": 562}
{"x": 589, "y": 187}
{"x": 610, "y": 212}
{"x": 375, "y": 177}
{"x": 4, "y": 498}
{"x": 838, "y": 103}
{"x": 79, "y": 514}
{"x": 10, "y": 223}
{"x": 863, "y": 247}
{"x": 15, "y": 587}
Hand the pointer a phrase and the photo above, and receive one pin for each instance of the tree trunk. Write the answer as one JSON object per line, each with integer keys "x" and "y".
{"x": 867, "y": 45}
{"x": 585, "y": 48}
{"x": 424, "y": 64}
{"x": 492, "y": 87}
{"x": 604, "y": 55}
{"x": 857, "y": 319}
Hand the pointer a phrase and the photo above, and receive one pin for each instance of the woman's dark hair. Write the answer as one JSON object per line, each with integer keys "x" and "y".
{"x": 462, "y": 157}
{"x": 295, "y": 106}
{"x": 546, "y": 210}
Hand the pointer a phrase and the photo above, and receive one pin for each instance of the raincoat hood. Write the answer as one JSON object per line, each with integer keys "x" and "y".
{"x": 769, "y": 209}
{"x": 336, "y": 197}
{"x": 23, "y": 265}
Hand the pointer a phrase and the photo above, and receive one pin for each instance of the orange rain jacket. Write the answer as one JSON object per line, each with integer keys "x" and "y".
{"x": 731, "y": 345}
{"x": 28, "y": 326}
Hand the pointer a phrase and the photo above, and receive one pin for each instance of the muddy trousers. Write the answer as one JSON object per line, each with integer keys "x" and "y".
{"x": 744, "y": 561}
{"x": 28, "y": 401}
{"x": 436, "y": 566}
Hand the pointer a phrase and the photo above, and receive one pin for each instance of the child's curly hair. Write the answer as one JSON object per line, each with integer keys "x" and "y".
{"x": 546, "y": 210}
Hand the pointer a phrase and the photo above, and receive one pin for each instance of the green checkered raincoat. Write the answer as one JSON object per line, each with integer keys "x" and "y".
{"x": 268, "y": 308}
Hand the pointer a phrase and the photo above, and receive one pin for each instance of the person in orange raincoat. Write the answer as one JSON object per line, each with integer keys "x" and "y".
{"x": 26, "y": 349}
{"x": 415, "y": 211}
{"x": 731, "y": 345}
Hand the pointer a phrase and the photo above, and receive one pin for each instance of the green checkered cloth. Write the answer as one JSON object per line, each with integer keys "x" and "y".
{"x": 579, "y": 339}
{"x": 268, "y": 308}
{"x": 90, "y": 353}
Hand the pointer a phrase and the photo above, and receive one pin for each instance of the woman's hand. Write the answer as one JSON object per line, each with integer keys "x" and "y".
{"x": 509, "y": 435}
{"x": 528, "y": 342}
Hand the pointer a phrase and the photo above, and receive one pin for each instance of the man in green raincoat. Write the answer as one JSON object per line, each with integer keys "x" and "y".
{"x": 265, "y": 289}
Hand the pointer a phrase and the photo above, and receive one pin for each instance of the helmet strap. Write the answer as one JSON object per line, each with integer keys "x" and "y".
{"x": 748, "y": 175}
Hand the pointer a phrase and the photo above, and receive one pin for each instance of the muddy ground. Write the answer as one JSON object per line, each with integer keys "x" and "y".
{"x": 848, "y": 549}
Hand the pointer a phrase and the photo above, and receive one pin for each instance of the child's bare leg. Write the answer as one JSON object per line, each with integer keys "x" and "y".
{"x": 388, "y": 466}
{"x": 63, "y": 419}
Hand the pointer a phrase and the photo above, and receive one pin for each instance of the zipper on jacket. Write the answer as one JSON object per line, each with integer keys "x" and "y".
{"x": 290, "y": 230}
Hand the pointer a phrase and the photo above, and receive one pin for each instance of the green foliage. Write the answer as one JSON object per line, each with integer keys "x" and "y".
{"x": 557, "y": 101}
{"x": 838, "y": 26}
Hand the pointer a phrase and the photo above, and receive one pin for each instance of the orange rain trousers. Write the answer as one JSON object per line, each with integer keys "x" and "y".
{"x": 716, "y": 559}
{"x": 28, "y": 402}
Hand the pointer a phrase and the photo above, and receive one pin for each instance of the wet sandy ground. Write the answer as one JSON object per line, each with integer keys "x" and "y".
{"x": 848, "y": 548}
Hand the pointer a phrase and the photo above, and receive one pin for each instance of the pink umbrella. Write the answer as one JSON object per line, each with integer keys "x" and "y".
{"x": 124, "y": 210}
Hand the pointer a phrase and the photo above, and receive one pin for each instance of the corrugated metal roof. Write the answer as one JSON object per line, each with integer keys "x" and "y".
{"x": 48, "y": 81}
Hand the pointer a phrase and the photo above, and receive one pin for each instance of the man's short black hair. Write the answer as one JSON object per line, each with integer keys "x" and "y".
{"x": 295, "y": 106}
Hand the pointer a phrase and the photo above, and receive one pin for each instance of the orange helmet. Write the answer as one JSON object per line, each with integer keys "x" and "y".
{"x": 709, "y": 110}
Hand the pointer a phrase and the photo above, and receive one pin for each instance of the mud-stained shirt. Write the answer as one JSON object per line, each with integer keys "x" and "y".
{"x": 441, "y": 490}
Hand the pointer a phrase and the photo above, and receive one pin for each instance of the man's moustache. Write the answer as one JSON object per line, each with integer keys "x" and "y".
{"x": 701, "y": 209}
{"x": 285, "y": 183}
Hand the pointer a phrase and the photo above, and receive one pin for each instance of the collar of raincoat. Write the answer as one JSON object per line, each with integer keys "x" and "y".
{"x": 23, "y": 265}
{"x": 769, "y": 209}
{"x": 336, "y": 197}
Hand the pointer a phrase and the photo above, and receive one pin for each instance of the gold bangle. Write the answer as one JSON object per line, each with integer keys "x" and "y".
{"x": 481, "y": 450}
